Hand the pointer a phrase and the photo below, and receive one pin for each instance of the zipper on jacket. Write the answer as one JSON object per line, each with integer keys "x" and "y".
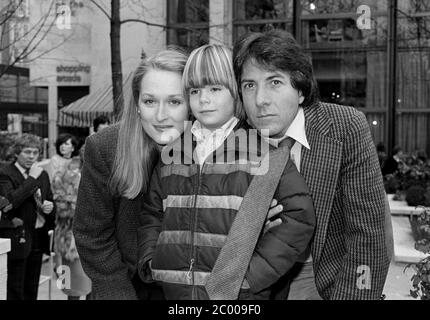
{"x": 189, "y": 273}
{"x": 192, "y": 224}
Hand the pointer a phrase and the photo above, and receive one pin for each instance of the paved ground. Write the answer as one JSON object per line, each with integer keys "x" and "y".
{"x": 396, "y": 287}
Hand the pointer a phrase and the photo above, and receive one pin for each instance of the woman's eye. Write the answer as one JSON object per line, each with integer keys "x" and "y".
{"x": 148, "y": 101}
{"x": 175, "y": 102}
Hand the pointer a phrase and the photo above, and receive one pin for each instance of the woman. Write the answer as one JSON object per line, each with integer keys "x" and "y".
{"x": 118, "y": 165}
{"x": 65, "y": 146}
{"x": 65, "y": 174}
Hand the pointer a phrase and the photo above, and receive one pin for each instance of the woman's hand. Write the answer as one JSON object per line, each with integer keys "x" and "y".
{"x": 274, "y": 210}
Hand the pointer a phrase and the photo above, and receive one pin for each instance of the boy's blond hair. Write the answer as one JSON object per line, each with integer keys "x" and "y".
{"x": 211, "y": 64}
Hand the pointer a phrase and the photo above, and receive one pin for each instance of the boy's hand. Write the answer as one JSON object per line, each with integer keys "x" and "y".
{"x": 274, "y": 210}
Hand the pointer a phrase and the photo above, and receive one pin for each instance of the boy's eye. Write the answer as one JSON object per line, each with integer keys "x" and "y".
{"x": 215, "y": 89}
{"x": 248, "y": 86}
{"x": 276, "y": 82}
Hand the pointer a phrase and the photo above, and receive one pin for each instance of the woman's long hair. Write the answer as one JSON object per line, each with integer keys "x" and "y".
{"x": 136, "y": 152}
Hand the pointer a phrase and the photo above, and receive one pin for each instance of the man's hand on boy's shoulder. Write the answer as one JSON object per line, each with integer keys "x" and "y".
{"x": 272, "y": 220}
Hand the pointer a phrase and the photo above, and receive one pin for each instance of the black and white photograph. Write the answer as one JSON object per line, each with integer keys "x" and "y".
{"x": 216, "y": 151}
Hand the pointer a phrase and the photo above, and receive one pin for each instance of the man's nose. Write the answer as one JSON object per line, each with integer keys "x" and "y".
{"x": 261, "y": 97}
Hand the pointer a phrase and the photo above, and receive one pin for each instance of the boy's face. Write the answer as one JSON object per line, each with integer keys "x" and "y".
{"x": 27, "y": 157}
{"x": 212, "y": 105}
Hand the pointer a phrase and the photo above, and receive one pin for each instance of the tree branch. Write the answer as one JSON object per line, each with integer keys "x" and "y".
{"x": 101, "y": 8}
{"x": 11, "y": 14}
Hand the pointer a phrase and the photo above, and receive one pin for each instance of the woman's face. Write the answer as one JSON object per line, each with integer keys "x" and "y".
{"x": 67, "y": 148}
{"x": 162, "y": 106}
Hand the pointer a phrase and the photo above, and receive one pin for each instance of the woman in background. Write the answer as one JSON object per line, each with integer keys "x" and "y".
{"x": 65, "y": 173}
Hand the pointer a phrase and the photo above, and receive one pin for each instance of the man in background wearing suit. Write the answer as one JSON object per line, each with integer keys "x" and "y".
{"x": 26, "y": 224}
{"x": 335, "y": 153}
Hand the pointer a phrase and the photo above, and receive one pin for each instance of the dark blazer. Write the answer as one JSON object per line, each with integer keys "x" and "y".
{"x": 105, "y": 226}
{"x": 343, "y": 174}
{"x": 19, "y": 191}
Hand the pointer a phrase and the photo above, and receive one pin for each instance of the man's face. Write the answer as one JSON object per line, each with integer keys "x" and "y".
{"x": 269, "y": 99}
{"x": 102, "y": 126}
{"x": 27, "y": 157}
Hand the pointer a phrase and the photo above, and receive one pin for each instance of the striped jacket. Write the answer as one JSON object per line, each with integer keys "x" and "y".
{"x": 189, "y": 210}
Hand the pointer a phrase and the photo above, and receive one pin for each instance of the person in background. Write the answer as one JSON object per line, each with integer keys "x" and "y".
{"x": 391, "y": 165}
{"x": 5, "y": 206}
{"x": 28, "y": 221}
{"x": 382, "y": 155}
{"x": 100, "y": 123}
{"x": 64, "y": 169}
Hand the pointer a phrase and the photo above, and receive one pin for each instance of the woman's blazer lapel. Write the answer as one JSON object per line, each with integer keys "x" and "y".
{"x": 320, "y": 167}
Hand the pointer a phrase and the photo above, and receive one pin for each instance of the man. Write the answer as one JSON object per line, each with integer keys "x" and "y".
{"x": 334, "y": 152}
{"x": 100, "y": 123}
{"x": 28, "y": 219}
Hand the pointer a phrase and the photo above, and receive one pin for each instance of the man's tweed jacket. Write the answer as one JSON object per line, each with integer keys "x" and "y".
{"x": 343, "y": 174}
{"x": 105, "y": 227}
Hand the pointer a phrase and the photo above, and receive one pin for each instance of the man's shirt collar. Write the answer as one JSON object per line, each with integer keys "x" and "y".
{"x": 296, "y": 131}
{"x": 21, "y": 169}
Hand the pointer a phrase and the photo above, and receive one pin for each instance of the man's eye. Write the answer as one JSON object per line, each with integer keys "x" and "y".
{"x": 276, "y": 82}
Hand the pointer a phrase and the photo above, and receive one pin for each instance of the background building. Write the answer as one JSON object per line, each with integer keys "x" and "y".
{"x": 373, "y": 55}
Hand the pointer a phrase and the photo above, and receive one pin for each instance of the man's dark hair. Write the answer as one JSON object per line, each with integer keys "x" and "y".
{"x": 278, "y": 50}
{"x": 98, "y": 121}
{"x": 62, "y": 138}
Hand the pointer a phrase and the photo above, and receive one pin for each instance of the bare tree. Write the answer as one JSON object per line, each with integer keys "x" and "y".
{"x": 22, "y": 45}
{"x": 115, "y": 34}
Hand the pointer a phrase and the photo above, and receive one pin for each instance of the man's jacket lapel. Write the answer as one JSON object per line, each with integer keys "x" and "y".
{"x": 320, "y": 167}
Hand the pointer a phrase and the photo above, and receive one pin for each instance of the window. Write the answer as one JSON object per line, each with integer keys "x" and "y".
{"x": 188, "y": 23}
{"x": 257, "y": 16}
{"x": 413, "y": 76}
{"x": 350, "y": 64}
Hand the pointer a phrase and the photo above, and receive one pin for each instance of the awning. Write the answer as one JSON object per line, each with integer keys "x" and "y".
{"x": 82, "y": 112}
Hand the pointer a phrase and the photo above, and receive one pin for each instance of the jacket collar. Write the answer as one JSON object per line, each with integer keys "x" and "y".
{"x": 320, "y": 166}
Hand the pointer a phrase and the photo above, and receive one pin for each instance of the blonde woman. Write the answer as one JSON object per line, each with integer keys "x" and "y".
{"x": 118, "y": 164}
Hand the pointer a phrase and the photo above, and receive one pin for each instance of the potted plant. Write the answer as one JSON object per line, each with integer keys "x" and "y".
{"x": 421, "y": 278}
{"x": 411, "y": 182}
